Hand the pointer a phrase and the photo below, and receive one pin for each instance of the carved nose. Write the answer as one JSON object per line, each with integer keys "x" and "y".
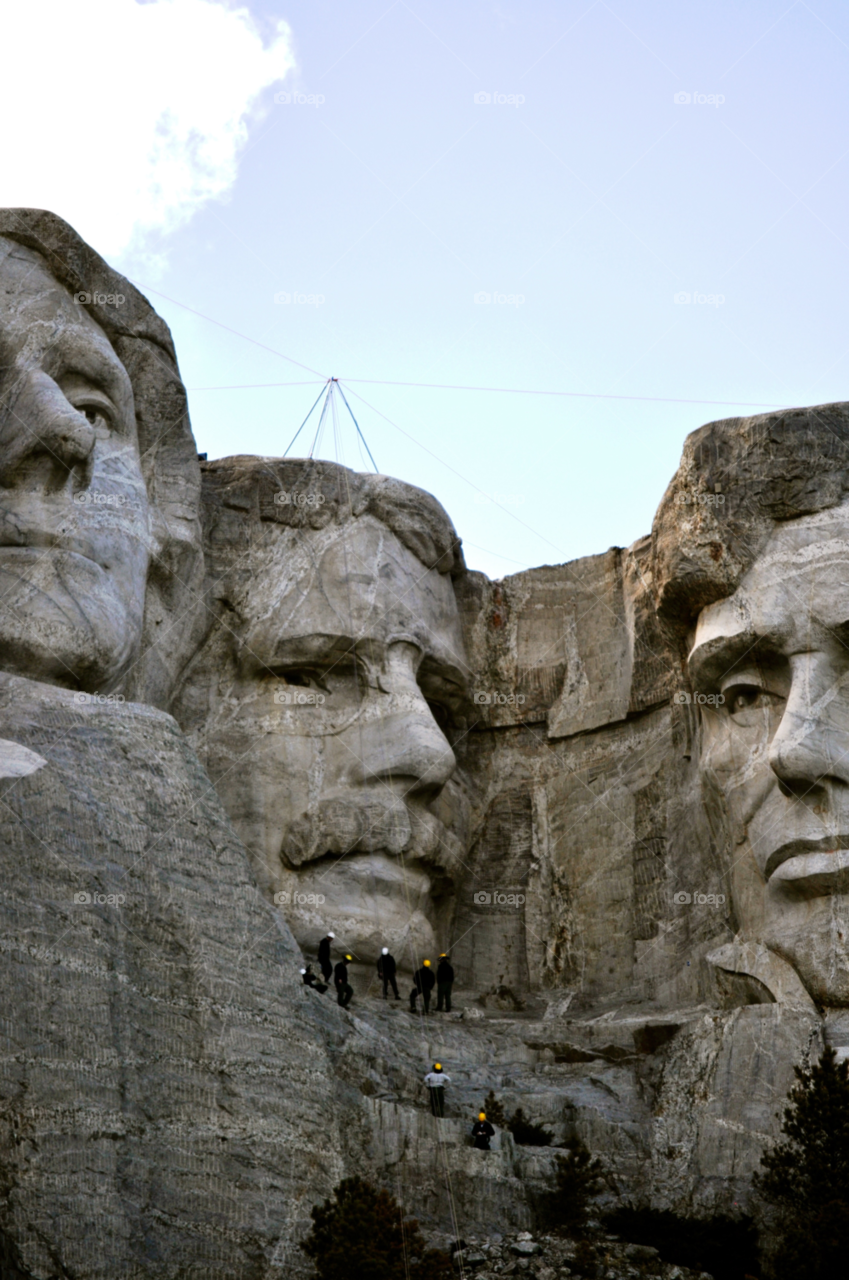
{"x": 811, "y": 745}
{"x": 71, "y": 442}
{"x": 407, "y": 749}
{"x": 403, "y": 745}
{"x": 40, "y": 426}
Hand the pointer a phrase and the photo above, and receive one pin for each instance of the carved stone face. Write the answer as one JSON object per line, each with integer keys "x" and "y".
{"x": 775, "y": 754}
{"x": 326, "y": 745}
{"x": 74, "y": 542}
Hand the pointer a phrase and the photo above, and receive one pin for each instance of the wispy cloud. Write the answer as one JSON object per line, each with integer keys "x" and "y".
{"x": 125, "y": 118}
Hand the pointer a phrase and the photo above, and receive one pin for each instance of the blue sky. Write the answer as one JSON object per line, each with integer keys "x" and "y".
{"x": 582, "y": 198}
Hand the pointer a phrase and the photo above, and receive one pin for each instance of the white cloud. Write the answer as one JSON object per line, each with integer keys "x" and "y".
{"x": 125, "y": 118}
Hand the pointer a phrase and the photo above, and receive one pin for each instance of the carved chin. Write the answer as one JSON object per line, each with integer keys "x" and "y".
{"x": 66, "y": 623}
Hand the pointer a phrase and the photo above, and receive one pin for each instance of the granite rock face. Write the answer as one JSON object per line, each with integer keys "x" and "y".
{"x": 586, "y": 793}
{"x": 615, "y": 790}
{"x": 169, "y": 1104}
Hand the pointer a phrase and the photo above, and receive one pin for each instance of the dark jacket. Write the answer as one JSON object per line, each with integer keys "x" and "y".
{"x": 386, "y": 967}
{"x": 482, "y": 1131}
{"x": 340, "y": 974}
{"x": 324, "y": 951}
{"x": 424, "y": 979}
{"x": 445, "y": 972}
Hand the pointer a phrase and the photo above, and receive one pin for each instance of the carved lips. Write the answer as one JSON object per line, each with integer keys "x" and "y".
{"x": 811, "y": 868}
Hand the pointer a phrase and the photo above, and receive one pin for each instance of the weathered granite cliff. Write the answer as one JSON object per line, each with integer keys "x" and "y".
{"x": 615, "y": 790}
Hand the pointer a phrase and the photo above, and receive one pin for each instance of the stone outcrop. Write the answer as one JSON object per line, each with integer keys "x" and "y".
{"x": 168, "y": 1098}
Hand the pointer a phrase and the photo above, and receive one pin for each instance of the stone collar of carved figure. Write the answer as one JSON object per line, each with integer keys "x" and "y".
{"x": 74, "y": 526}
{"x": 330, "y": 700}
{"x": 775, "y": 752}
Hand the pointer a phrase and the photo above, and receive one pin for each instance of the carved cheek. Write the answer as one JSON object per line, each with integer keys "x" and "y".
{"x": 735, "y": 759}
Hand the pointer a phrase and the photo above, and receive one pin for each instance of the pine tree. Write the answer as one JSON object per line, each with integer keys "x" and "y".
{"x": 361, "y": 1235}
{"x": 494, "y": 1111}
{"x": 526, "y": 1133}
{"x": 805, "y": 1179}
{"x": 579, "y": 1178}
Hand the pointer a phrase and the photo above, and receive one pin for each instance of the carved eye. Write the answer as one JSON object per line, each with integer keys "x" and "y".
{"x": 441, "y": 715}
{"x": 97, "y": 410}
{"x": 748, "y": 697}
{"x": 303, "y": 678}
{"x": 297, "y": 677}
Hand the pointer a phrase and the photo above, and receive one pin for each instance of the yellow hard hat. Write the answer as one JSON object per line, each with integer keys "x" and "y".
{"x": 426, "y": 962}
{"x": 437, "y": 1066}
{"x": 443, "y": 955}
{"x": 481, "y": 1115}
{"x": 349, "y": 957}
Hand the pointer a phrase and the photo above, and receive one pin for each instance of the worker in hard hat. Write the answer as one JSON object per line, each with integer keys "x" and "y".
{"x": 444, "y": 983}
{"x": 425, "y": 982}
{"x": 324, "y": 962}
{"x": 386, "y": 969}
{"x": 436, "y": 1080}
{"x": 344, "y": 990}
{"x": 482, "y": 1131}
{"x": 310, "y": 980}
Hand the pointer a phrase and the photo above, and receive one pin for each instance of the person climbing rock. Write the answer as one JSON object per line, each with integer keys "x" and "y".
{"x": 436, "y": 1080}
{"x": 444, "y": 983}
{"x": 425, "y": 982}
{"x": 324, "y": 962}
{"x": 482, "y": 1131}
{"x": 386, "y": 970}
{"x": 344, "y": 990}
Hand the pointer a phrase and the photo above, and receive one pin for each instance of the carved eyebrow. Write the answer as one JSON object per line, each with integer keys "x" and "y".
{"x": 717, "y": 656}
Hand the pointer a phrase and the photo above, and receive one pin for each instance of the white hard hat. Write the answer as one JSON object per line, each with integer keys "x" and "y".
{"x": 331, "y": 935}
{"x": 303, "y": 970}
{"x": 385, "y": 951}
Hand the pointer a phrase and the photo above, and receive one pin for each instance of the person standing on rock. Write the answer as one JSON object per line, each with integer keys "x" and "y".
{"x": 444, "y": 983}
{"x": 344, "y": 990}
{"x": 425, "y": 982}
{"x": 386, "y": 970}
{"x": 482, "y": 1131}
{"x": 436, "y": 1081}
{"x": 324, "y": 962}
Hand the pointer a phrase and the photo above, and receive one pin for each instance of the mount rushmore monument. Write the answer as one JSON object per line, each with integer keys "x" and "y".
{"x": 247, "y": 701}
